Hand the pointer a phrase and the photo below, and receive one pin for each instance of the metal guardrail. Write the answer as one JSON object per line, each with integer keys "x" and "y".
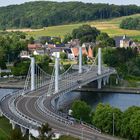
{"x": 61, "y": 117}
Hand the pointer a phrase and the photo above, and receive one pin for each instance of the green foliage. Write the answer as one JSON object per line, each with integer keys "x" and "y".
{"x": 21, "y": 68}
{"x": 81, "y": 111}
{"x": 126, "y": 124}
{"x": 84, "y": 59}
{"x": 67, "y": 138}
{"x": 105, "y": 41}
{"x": 43, "y": 62}
{"x": 85, "y": 33}
{"x": 135, "y": 125}
{"x": 131, "y": 23}
{"x": 11, "y": 44}
{"x": 130, "y": 123}
{"x": 103, "y": 118}
{"x": 63, "y": 55}
{"x": 123, "y": 59}
{"x": 44, "y": 13}
{"x": 67, "y": 38}
{"x": 5, "y": 128}
{"x": 16, "y": 135}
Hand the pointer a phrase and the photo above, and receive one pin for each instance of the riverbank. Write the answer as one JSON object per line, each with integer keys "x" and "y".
{"x": 12, "y": 83}
{"x": 110, "y": 89}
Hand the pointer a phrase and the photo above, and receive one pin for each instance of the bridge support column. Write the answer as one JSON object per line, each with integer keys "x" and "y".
{"x": 57, "y": 56}
{"x": 57, "y": 103}
{"x": 99, "y": 61}
{"x": 99, "y": 83}
{"x": 107, "y": 79}
{"x": 0, "y": 113}
{"x": 104, "y": 81}
{"x": 117, "y": 81}
{"x": 13, "y": 125}
{"x": 80, "y": 59}
{"x": 23, "y": 130}
{"x": 32, "y": 73}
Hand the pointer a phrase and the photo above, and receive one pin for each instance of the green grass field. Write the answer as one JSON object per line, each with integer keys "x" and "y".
{"x": 110, "y": 26}
{"x": 5, "y": 128}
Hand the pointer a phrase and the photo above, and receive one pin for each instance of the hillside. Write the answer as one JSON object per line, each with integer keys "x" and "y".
{"x": 110, "y": 26}
{"x": 43, "y": 13}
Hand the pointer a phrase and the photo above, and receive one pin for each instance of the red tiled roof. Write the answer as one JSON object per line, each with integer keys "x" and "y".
{"x": 90, "y": 53}
{"x": 75, "y": 51}
{"x": 34, "y": 46}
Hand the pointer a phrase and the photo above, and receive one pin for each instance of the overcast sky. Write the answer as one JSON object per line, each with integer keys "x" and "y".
{"x": 118, "y": 2}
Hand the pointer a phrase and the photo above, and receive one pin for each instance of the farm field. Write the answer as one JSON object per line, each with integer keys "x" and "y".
{"x": 110, "y": 26}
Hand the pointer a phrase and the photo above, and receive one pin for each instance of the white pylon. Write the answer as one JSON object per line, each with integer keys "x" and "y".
{"x": 80, "y": 59}
{"x": 32, "y": 73}
{"x": 57, "y": 56}
{"x": 99, "y": 61}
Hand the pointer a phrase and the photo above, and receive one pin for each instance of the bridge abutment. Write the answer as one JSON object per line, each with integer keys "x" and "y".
{"x": 99, "y": 83}
{"x": 23, "y": 130}
{"x": 13, "y": 124}
{"x": 1, "y": 113}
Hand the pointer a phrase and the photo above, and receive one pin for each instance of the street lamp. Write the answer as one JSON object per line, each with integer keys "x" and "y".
{"x": 113, "y": 123}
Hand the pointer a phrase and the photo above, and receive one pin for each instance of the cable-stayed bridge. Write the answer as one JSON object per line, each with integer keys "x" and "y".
{"x": 38, "y": 102}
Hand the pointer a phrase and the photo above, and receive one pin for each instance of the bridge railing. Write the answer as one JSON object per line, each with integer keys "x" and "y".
{"x": 13, "y": 108}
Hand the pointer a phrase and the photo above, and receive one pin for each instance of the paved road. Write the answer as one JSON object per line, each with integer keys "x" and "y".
{"x": 32, "y": 112}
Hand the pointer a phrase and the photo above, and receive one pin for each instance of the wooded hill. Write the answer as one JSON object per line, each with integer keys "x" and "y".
{"x": 43, "y": 13}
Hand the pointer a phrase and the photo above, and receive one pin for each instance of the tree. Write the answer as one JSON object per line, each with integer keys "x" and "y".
{"x": 85, "y": 33}
{"x": 105, "y": 41}
{"x": 110, "y": 58}
{"x": 81, "y": 111}
{"x": 127, "y": 122}
{"x": 63, "y": 55}
{"x": 103, "y": 118}
{"x": 16, "y": 135}
{"x": 135, "y": 125}
{"x": 21, "y": 68}
{"x": 45, "y": 132}
{"x": 67, "y": 38}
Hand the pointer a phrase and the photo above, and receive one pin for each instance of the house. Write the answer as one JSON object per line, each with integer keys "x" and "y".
{"x": 39, "y": 52}
{"x": 24, "y": 54}
{"x": 85, "y": 51}
{"x": 122, "y": 41}
{"x": 32, "y": 47}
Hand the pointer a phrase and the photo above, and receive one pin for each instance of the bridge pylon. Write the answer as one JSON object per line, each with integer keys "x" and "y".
{"x": 57, "y": 56}
{"x": 99, "y": 62}
{"x": 80, "y": 59}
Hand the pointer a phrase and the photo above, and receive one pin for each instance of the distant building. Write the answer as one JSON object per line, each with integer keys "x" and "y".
{"x": 32, "y": 47}
{"x": 122, "y": 41}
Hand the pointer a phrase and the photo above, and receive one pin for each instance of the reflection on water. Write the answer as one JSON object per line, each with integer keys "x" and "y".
{"x": 119, "y": 100}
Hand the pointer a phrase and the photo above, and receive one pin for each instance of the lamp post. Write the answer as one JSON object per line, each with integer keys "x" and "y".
{"x": 113, "y": 123}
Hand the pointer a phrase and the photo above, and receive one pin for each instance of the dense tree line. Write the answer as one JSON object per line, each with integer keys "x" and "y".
{"x": 131, "y": 23}
{"x": 11, "y": 44}
{"x": 125, "y": 60}
{"x": 126, "y": 124}
{"x": 43, "y": 14}
{"x": 86, "y": 33}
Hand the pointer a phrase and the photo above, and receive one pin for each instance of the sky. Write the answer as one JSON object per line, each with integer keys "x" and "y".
{"x": 118, "y": 2}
